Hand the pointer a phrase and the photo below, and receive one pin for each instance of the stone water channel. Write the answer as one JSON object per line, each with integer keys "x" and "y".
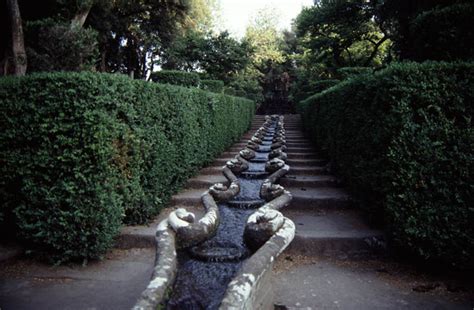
{"x": 208, "y": 264}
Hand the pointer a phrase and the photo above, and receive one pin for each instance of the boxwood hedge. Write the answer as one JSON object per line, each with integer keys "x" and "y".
{"x": 305, "y": 89}
{"x": 444, "y": 33}
{"x": 175, "y": 77}
{"x": 345, "y": 73}
{"x": 83, "y": 152}
{"x": 215, "y": 86}
{"x": 403, "y": 140}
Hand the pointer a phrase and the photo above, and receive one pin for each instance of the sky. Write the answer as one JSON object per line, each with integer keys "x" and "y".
{"x": 236, "y": 14}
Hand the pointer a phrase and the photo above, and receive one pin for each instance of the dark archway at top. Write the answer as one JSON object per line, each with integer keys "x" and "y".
{"x": 276, "y": 84}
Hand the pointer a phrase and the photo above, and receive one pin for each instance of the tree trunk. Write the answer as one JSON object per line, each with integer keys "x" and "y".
{"x": 103, "y": 61}
{"x": 81, "y": 16}
{"x": 18, "y": 43}
{"x": 375, "y": 51}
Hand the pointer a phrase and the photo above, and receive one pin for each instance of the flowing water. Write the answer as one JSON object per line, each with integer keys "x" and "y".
{"x": 204, "y": 271}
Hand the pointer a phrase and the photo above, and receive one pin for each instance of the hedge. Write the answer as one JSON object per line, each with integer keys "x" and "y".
{"x": 345, "y": 73}
{"x": 82, "y": 152}
{"x": 215, "y": 86}
{"x": 403, "y": 140}
{"x": 444, "y": 33}
{"x": 182, "y": 78}
{"x": 310, "y": 88}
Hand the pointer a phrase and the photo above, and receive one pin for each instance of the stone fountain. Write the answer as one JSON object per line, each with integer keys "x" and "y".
{"x": 224, "y": 259}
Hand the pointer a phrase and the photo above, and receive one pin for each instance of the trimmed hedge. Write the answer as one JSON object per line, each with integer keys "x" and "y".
{"x": 350, "y": 72}
{"x": 403, "y": 140}
{"x": 444, "y": 33}
{"x": 82, "y": 152}
{"x": 181, "y": 78}
{"x": 310, "y": 88}
{"x": 215, "y": 86}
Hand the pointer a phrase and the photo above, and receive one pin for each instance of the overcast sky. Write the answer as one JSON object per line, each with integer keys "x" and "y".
{"x": 236, "y": 14}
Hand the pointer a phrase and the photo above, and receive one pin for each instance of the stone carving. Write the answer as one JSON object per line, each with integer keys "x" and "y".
{"x": 278, "y": 153}
{"x": 274, "y": 164}
{"x": 164, "y": 272}
{"x": 221, "y": 193}
{"x": 267, "y": 231}
{"x": 253, "y": 146}
{"x": 190, "y": 233}
{"x": 247, "y": 154}
{"x": 237, "y": 164}
{"x": 261, "y": 226}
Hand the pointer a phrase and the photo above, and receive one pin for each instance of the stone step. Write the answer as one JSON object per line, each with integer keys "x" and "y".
{"x": 204, "y": 181}
{"x": 297, "y": 155}
{"x": 143, "y": 236}
{"x": 303, "y": 181}
{"x": 306, "y": 162}
{"x": 314, "y": 198}
{"x": 299, "y": 144}
{"x": 307, "y": 170}
{"x": 235, "y": 149}
{"x": 295, "y": 149}
{"x": 187, "y": 198}
{"x": 293, "y": 130}
{"x": 290, "y": 141}
{"x": 211, "y": 170}
{"x": 303, "y": 198}
{"x": 227, "y": 154}
{"x": 333, "y": 234}
{"x": 219, "y": 162}
{"x": 240, "y": 144}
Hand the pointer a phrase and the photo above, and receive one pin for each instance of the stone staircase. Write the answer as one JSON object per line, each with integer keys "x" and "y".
{"x": 332, "y": 263}
{"x": 326, "y": 223}
{"x": 336, "y": 261}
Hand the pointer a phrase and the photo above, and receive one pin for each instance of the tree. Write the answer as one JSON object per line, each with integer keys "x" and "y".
{"x": 185, "y": 52}
{"x": 84, "y": 7}
{"x": 342, "y": 33}
{"x": 444, "y": 33}
{"x": 264, "y": 38}
{"x": 19, "y": 60}
{"x": 398, "y": 18}
{"x": 269, "y": 63}
{"x": 201, "y": 16}
{"x": 224, "y": 56}
{"x": 133, "y": 34}
{"x": 56, "y": 46}
{"x": 220, "y": 56}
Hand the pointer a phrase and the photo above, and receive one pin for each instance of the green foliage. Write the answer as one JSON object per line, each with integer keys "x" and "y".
{"x": 264, "y": 38}
{"x": 87, "y": 151}
{"x": 246, "y": 86}
{"x": 56, "y": 46}
{"x": 444, "y": 33}
{"x": 349, "y": 72}
{"x": 182, "y": 78}
{"x": 403, "y": 139}
{"x": 304, "y": 88}
{"x": 185, "y": 52}
{"x": 342, "y": 33}
{"x": 224, "y": 57}
{"x": 214, "y": 86}
{"x": 271, "y": 65}
{"x": 219, "y": 56}
{"x": 134, "y": 34}
{"x": 397, "y": 17}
